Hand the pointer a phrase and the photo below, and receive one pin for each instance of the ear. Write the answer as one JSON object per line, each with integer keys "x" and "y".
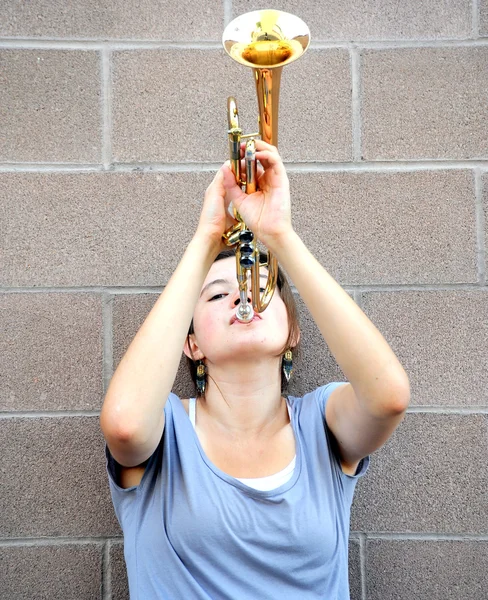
{"x": 191, "y": 348}
{"x": 296, "y": 339}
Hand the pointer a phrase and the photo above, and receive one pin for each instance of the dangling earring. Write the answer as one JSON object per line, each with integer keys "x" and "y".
{"x": 287, "y": 364}
{"x": 201, "y": 379}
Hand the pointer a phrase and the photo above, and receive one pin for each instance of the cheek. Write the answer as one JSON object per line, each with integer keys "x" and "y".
{"x": 280, "y": 311}
{"x": 205, "y": 324}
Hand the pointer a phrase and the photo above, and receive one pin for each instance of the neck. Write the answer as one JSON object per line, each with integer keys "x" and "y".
{"x": 244, "y": 398}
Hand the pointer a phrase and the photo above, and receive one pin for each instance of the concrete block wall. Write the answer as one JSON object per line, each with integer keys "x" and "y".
{"x": 112, "y": 123}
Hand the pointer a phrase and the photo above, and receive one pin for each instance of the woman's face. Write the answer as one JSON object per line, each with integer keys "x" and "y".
{"x": 219, "y": 335}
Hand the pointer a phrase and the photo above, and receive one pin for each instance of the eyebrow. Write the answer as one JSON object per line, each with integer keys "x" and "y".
{"x": 216, "y": 281}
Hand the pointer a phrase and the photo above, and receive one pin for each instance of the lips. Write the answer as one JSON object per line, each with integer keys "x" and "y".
{"x": 234, "y": 319}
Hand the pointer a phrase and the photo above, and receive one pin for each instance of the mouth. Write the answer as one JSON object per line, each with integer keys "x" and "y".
{"x": 236, "y": 320}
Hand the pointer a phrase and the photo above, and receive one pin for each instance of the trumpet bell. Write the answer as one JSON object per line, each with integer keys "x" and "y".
{"x": 266, "y": 39}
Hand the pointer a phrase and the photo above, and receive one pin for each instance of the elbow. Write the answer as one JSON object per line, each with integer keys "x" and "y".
{"x": 399, "y": 397}
{"x": 391, "y": 399}
{"x": 113, "y": 427}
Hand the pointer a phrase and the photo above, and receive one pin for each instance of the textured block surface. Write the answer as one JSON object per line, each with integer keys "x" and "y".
{"x": 155, "y": 116}
{"x": 440, "y": 339}
{"x": 51, "y": 107}
{"x": 157, "y": 119}
{"x": 389, "y": 228}
{"x": 315, "y": 122}
{"x": 54, "y": 470}
{"x": 354, "y": 570}
{"x": 374, "y": 19}
{"x": 97, "y": 228}
{"x": 149, "y": 20}
{"x": 131, "y": 229}
{"x": 50, "y": 352}
{"x": 65, "y": 571}
{"x": 431, "y": 470}
{"x": 313, "y": 364}
{"x": 438, "y": 570}
{"x": 424, "y": 103}
{"x": 129, "y": 313}
{"x": 483, "y": 16}
{"x": 118, "y": 572}
{"x": 484, "y": 188}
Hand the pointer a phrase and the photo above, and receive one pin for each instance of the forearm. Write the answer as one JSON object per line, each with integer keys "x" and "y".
{"x": 144, "y": 377}
{"x": 361, "y": 351}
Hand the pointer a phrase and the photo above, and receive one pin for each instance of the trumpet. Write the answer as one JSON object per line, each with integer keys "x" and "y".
{"x": 266, "y": 41}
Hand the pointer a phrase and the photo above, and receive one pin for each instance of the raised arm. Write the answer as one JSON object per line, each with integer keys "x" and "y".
{"x": 132, "y": 416}
{"x": 363, "y": 414}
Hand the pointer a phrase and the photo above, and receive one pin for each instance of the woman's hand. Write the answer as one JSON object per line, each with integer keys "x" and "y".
{"x": 215, "y": 218}
{"x": 267, "y": 211}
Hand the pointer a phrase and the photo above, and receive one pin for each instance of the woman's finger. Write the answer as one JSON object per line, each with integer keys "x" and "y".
{"x": 270, "y": 160}
{"x": 232, "y": 189}
{"x": 262, "y": 145}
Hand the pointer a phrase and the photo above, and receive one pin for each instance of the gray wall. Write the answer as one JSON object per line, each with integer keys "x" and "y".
{"x": 112, "y": 123}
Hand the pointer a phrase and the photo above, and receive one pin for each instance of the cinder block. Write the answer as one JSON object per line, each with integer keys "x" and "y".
{"x": 155, "y": 116}
{"x": 129, "y": 313}
{"x": 484, "y": 183}
{"x": 313, "y": 364}
{"x": 354, "y": 570}
{"x": 424, "y": 103}
{"x": 97, "y": 228}
{"x": 54, "y": 477}
{"x": 157, "y": 119}
{"x": 51, "y": 105}
{"x": 148, "y": 20}
{"x": 440, "y": 339}
{"x": 315, "y": 122}
{"x": 118, "y": 572}
{"x": 434, "y": 569}
{"x": 389, "y": 228}
{"x": 427, "y": 478}
{"x": 380, "y": 20}
{"x": 483, "y": 16}
{"x": 50, "y": 352}
{"x": 65, "y": 571}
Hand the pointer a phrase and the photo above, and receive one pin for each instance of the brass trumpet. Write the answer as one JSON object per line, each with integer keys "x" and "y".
{"x": 266, "y": 41}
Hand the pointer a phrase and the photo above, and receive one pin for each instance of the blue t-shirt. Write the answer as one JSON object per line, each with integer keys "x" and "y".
{"x": 193, "y": 532}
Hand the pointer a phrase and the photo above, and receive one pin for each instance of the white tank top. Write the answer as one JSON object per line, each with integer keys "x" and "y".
{"x": 258, "y": 483}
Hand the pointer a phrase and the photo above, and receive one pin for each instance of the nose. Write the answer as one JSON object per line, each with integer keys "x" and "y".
{"x": 237, "y": 301}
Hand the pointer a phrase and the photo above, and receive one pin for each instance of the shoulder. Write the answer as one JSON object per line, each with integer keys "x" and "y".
{"x": 128, "y": 477}
{"x": 317, "y": 405}
{"x": 315, "y": 399}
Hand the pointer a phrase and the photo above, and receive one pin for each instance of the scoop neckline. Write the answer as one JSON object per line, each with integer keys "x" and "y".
{"x": 250, "y": 491}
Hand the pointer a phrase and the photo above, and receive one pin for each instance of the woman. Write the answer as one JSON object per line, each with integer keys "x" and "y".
{"x": 247, "y": 494}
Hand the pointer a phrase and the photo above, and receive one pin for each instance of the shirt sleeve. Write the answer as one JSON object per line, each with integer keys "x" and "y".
{"x": 323, "y": 394}
{"x": 125, "y": 499}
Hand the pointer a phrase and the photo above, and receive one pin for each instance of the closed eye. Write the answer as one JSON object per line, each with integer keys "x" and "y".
{"x": 217, "y": 297}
